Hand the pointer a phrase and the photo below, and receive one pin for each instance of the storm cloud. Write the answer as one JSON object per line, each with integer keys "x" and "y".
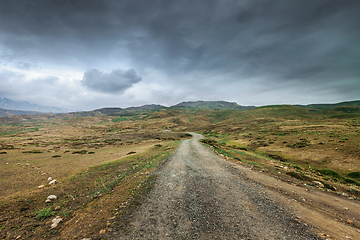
{"x": 252, "y": 52}
{"x": 112, "y": 82}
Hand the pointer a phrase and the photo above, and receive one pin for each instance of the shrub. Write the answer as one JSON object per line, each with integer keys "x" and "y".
{"x": 351, "y": 181}
{"x": 33, "y": 151}
{"x": 354, "y": 175}
{"x": 302, "y": 143}
{"x": 209, "y": 141}
{"x": 300, "y": 176}
{"x": 80, "y": 152}
{"x": 44, "y": 213}
{"x": 329, "y": 172}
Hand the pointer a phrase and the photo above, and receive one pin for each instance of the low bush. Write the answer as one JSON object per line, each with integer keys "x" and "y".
{"x": 300, "y": 176}
{"x": 329, "y": 172}
{"x": 354, "y": 175}
{"x": 44, "y": 213}
{"x": 302, "y": 143}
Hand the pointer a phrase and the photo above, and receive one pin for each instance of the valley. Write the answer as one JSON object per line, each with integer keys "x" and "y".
{"x": 105, "y": 163}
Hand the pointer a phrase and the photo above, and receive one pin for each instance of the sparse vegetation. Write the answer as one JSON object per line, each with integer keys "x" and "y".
{"x": 44, "y": 213}
{"x": 354, "y": 175}
{"x": 88, "y": 154}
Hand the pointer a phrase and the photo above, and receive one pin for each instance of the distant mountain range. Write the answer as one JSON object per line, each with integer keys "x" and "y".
{"x": 25, "y": 108}
{"x": 7, "y": 112}
{"x": 189, "y": 105}
{"x": 6, "y": 103}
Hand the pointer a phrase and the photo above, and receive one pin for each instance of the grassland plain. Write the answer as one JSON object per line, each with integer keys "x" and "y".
{"x": 101, "y": 161}
{"x": 93, "y": 159}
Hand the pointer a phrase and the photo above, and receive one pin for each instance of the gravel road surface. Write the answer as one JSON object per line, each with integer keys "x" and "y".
{"x": 199, "y": 195}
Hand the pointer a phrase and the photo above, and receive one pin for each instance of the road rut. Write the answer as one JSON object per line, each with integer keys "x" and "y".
{"x": 199, "y": 195}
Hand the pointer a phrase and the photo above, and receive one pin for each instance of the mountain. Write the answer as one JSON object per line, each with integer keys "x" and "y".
{"x": 211, "y": 105}
{"x": 7, "y": 112}
{"x": 26, "y": 106}
{"x": 329, "y": 106}
{"x": 130, "y": 111}
{"x": 145, "y": 107}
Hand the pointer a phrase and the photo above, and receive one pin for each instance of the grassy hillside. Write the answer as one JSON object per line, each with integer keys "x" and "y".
{"x": 329, "y": 106}
{"x": 210, "y": 105}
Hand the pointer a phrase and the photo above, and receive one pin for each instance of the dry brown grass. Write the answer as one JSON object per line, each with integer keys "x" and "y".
{"x": 88, "y": 156}
{"x": 269, "y": 139}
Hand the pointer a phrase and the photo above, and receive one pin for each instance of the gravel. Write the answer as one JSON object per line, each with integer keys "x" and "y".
{"x": 198, "y": 195}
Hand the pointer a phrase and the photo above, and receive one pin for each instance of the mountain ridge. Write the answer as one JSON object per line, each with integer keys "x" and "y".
{"x": 9, "y": 112}
{"x": 212, "y": 105}
{"x": 9, "y": 104}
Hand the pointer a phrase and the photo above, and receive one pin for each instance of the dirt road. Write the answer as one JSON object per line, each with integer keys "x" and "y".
{"x": 198, "y": 195}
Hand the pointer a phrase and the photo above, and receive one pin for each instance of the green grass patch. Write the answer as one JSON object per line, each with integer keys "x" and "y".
{"x": 354, "y": 175}
{"x": 44, "y": 213}
{"x": 120, "y": 119}
{"x": 330, "y": 173}
{"x": 351, "y": 181}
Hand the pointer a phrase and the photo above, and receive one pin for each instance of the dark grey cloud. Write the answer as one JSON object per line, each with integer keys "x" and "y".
{"x": 113, "y": 82}
{"x": 194, "y": 44}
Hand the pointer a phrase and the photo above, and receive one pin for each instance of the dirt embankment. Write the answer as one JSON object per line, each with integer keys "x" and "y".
{"x": 199, "y": 195}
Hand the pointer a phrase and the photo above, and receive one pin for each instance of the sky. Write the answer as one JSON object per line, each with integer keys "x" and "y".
{"x": 89, "y": 54}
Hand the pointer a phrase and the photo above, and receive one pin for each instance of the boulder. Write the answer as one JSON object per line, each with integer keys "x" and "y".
{"x": 318, "y": 184}
{"x": 51, "y": 197}
{"x": 56, "y": 221}
{"x": 52, "y": 182}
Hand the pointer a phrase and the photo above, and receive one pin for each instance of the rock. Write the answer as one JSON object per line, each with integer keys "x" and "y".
{"x": 52, "y": 182}
{"x": 41, "y": 186}
{"x": 85, "y": 239}
{"x": 48, "y": 201}
{"x": 57, "y": 208}
{"x": 27, "y": 164}
{"x": 50, "y": 179}
{"x": 18, "y": 164}
{"x": 349, "y": 221}
{"x": 318, "y": 184}
{"x": 52, "y": 197}
{"x": 43, "y": 174}
{"x": 56, "y": 221}
{"x": 102, "y": 231}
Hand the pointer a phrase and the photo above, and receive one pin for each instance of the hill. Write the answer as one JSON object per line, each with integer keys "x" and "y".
{"x": 7, "y": 112}
{"x": 26, "y": 106}
{"x": 211, "y": 105}
{"x": 145, "y": 107}
{"x": 329, "y": 106}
